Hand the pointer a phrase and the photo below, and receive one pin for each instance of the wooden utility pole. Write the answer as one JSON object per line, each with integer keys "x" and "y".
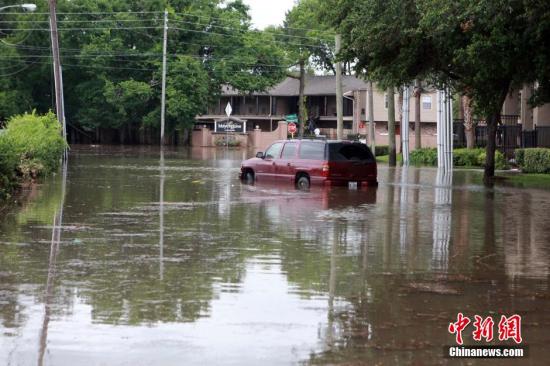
{"x": 391, "y": 128}
{"x": 417, "y": 105}
{"x": 163, "y": 96}
{"x": 339, "y": 94}
{"x": 58, "y": 80}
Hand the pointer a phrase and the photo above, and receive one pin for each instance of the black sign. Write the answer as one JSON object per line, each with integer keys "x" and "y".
{"x": 230, "y": 126}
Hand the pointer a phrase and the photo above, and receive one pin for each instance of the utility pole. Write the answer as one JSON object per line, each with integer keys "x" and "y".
{"x": 163, "y": 97}
{"x": 405, "y": 124}
{"x": 58, "y": 80}
{"x": 370, "y": 103}
{"x": 339, "y": 95}
{"x": 391, "y": 127}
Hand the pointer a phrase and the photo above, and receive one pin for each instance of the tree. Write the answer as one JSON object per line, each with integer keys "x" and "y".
{"x": 306, "y": 43}
{"x": 480, "y": 48}
{"x": 111, "y": 56}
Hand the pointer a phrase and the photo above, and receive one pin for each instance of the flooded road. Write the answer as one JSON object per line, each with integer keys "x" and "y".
{"x": 136, "y": 260}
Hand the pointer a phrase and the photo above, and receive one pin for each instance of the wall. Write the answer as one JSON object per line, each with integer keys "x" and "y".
{"x": 541, "y": 115}
{"x": 203, "y": 137}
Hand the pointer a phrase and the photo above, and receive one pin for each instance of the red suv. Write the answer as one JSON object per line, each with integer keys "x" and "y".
{"x": 306, "y": 162}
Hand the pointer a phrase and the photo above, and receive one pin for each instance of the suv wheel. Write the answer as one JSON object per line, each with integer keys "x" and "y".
{"x": 249, "y": 177}
{"x": 302, "y": 182}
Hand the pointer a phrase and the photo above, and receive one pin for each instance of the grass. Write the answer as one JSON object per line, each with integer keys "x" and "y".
{"x": 524, "y": 180}
{"x": 386, "y": 158}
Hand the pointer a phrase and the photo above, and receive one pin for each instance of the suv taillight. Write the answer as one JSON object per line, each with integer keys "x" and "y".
{"x": 325, "y": 172}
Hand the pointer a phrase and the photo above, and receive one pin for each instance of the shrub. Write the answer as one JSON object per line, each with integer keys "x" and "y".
{"x": 427, "y": 156}
{"x": 466, "y": 157}
{"x": 382, "y": 150}
{"x": 519, "y": 153}
{"x": 221, "y": 141}
{"x": 8, "y": 165}
{"x": 500, "y": 160}
{"x": 36, "y": 140}
{"x": 535, "y": 160}
{"x": 476, "y": 157}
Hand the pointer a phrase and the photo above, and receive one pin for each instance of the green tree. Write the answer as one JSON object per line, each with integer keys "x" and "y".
{"x": 480, "y": 49}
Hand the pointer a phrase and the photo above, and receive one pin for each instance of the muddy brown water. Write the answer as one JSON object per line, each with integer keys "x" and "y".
{"x": 130, "y": 260}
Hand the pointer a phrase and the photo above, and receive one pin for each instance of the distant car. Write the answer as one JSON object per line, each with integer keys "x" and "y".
{"x": 307, "y": 162}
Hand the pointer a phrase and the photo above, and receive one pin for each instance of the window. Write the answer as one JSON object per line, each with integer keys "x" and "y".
{"x": 349, "y": 152}
{"x": 312, "y": 150}
{"x": 386, "y": 101}
{"x": 289, "y": 151}
{"x": 427, "y": 102}
{"x": 274, "y": 151}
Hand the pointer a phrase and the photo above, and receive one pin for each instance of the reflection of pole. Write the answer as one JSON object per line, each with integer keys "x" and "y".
{"x": 54, "y": 251}
{"x": 332, "y": 288}
{"x": 403, "y": 205}
{"x": 442, "y": 218}
{"x": 161, "y": 214}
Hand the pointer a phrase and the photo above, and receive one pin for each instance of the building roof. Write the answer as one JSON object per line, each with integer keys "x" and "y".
{"x": 315, "y": 85}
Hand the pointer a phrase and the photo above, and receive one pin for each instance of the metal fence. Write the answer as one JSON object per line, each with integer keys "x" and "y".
{"x": 510, "y": 135}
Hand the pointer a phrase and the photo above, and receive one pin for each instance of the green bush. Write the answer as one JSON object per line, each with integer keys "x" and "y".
{"x": 30, "y": 146}
{"x": 536, "y": 160}
{"x": 382, "y": 150}
{"x": 427, "y": 156}
{"x": 476, "y": 157}
{"x": 8, "y": 165}
{"x": 36, "y": 140}
{"x": 466, "y": 157}
{"x": 520, "y": 154}
{"x": 500, "y": 160}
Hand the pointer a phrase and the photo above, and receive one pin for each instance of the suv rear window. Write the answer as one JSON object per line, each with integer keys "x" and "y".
{"x": 312, "y": 150}
{"x": 350, "y": 152}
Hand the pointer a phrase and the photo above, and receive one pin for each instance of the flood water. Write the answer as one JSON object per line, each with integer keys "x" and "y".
{"x": 130, "y": 259}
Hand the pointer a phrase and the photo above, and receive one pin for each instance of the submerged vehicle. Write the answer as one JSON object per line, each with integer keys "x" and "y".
{"x": 313, "y": 162}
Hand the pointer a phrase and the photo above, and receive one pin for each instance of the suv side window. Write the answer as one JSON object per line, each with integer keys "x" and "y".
{"x": 274, "y": 151}
{"x": 312, "y": 150}
{"x": 289, "y": 151}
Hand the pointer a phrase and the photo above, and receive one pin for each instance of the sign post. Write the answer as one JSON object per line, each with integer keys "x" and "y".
{"x": 292, "y": 128}
{"x": 228, "y": 111}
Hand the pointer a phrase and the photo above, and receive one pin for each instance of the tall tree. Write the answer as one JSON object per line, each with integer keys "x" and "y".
{"x": 307, "y": 44}
{"x": 479, "y": 48}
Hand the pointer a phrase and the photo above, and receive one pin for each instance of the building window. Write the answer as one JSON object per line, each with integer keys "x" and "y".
{"x": 386, "y": 101}
{"x": 427, "y": 102}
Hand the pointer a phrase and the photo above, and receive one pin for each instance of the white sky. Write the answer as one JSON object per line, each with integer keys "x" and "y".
{"x": 268, "y": 12}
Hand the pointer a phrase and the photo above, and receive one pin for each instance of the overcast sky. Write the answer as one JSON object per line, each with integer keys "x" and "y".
{"x": 268, "y": 12}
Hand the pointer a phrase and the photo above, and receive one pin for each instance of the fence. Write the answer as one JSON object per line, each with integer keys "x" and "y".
{"x": 510, "y": 135}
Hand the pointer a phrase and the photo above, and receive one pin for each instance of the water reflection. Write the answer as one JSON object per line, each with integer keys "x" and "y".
{"x": 442, "y": 219}
{"x": 199, "y": 269}
{"x": 54, "y": 252}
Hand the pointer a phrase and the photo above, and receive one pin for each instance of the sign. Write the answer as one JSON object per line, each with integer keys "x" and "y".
{"x": 228, "y": 109}
{"x": 292, "y": 128}
{"x": 229, "y": 126}
{"x": 291, "y": 118}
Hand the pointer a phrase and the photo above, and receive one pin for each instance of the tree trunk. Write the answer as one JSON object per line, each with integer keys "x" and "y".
{"x": 302, "y": 118}
{"x": 417, "y": 128}
{"x": 492, "y": 123}
{"x": 493, "y": 120}
{"x": 469, "y": 128}
{"x": 391, "y": 128}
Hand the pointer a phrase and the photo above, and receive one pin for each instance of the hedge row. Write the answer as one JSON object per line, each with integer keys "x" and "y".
{"x": 535, "y": 160}
{"x": 31, "y": 146}
{"x": 461, "y": 157}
